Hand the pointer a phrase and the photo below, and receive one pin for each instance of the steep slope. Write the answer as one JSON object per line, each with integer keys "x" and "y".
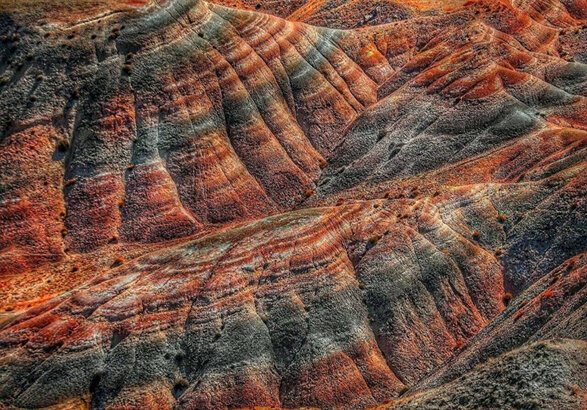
{"x": 125, "y": 120}
{"x": 554, "y": 307}
{"x": 443, "y": 106}
{"x": 263, "y": 314}
{"x": 161, "y": 126}
{"x": 205, "y": 207}
{"x": 543, "y": 375}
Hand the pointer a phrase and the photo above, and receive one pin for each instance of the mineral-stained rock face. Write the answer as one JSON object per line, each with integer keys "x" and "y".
{"x": 208, "y": 207}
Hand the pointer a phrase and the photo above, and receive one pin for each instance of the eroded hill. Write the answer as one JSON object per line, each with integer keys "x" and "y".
{"x": 208, "y": 207}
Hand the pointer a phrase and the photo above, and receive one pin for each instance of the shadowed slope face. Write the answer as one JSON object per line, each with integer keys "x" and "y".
{"x": 549, "y": 374}
{"x": 209, "y": 207}
{"x": 553, "y": 307}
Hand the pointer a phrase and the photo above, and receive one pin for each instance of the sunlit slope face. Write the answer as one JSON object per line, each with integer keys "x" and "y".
{"x": 206, "y": 206}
